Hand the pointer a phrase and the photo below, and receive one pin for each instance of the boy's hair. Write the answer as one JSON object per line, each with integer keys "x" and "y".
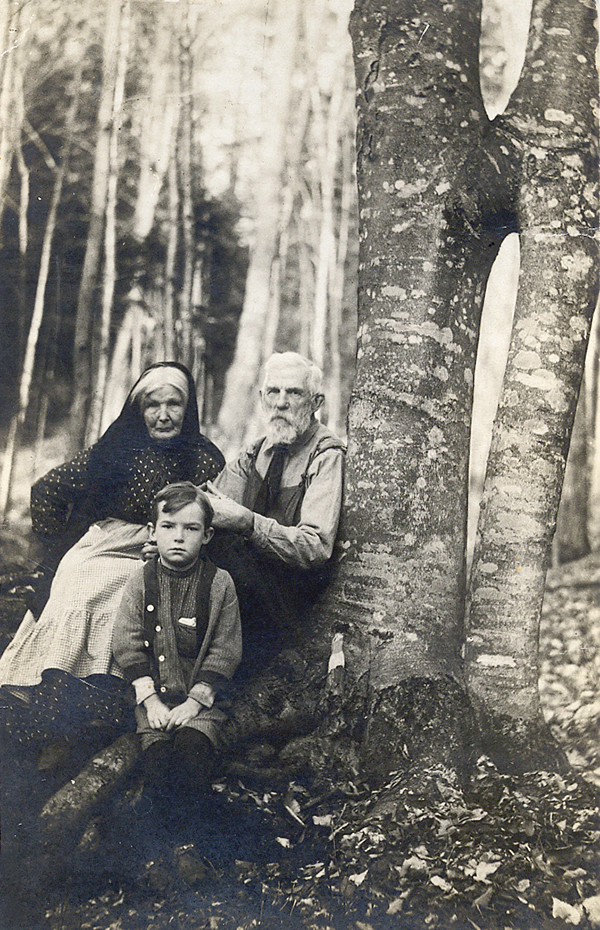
{"x": 175, "y": 496}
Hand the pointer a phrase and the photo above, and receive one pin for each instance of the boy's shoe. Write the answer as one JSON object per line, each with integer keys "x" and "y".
{"x": 188, "y": 864}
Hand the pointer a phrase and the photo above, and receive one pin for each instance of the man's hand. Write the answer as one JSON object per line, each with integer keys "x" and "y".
{"x": 182, "y": 713}
{"x": 158, "y": 713}
{"x": 149, "y": 550}
{"x": 229, "y": 515}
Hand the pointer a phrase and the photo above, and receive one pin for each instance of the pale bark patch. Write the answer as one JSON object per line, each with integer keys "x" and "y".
{"x": 496, "y": 661}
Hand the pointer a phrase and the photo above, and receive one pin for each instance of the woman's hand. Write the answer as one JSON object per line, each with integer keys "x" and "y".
{"x": 158, "y": 713}
{"x": 229, "y": 515}
{"x": 182, "y": 713}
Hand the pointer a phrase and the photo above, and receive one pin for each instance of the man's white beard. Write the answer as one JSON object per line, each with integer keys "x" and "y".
{"x": 284, "y": 432}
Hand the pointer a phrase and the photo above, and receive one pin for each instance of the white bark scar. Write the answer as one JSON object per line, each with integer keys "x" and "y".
{"x": 496, "y": 661}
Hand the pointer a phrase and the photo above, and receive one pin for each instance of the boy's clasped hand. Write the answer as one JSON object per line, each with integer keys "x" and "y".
{"x": 161, "y": 718}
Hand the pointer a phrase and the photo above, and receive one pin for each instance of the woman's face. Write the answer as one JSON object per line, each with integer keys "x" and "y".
{"x": 163, "y": 410}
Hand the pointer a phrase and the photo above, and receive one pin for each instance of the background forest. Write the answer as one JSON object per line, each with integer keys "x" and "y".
{"x": 178, "y": 181}
{"x": 151, "y": 151}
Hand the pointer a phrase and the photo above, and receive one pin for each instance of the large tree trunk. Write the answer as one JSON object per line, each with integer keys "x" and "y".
{"x": 552, "y": 129}
{"x": 425, "y": 254}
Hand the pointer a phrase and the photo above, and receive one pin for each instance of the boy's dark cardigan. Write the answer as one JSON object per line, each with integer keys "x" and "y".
{"x": 151, "y": 599}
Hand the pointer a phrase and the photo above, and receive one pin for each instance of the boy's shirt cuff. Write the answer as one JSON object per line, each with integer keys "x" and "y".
{"x": 144, "y": 687}
{"x": 203, "y": 694}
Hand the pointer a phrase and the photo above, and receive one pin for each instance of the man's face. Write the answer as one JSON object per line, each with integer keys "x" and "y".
{"x": 180, "y": 535}
{"x": 287, "y": 403}
{"x": 163, "y": 411}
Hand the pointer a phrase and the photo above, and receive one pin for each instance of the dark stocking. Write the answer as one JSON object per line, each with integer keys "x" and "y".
{"x": 192, "y": 766}
{"x": 157, "y": 767}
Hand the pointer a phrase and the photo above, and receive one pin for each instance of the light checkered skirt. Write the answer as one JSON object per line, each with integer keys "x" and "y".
{"x": 74, "y": 631}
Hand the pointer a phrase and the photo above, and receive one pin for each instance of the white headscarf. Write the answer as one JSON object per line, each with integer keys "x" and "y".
{"x": 160, "y": 377}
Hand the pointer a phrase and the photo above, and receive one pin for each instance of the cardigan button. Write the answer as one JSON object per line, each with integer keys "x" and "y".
{"x": 158, "y": 628}
{"x": 161, "y": 658}
{"x": 150, "y": 608}
{"x": 146, "y": 644}
{"x": 163, "y": 689}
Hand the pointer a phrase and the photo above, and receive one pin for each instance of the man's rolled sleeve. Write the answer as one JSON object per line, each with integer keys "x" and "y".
{"x": 232, "y": 480}
{"x": 310, "y": 543}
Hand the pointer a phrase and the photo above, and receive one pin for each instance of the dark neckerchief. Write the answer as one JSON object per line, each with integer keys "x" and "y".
{"x": 268, "y": 491}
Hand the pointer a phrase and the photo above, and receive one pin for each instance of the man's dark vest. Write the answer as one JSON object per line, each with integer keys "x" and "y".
{"x": 289, "y": 503}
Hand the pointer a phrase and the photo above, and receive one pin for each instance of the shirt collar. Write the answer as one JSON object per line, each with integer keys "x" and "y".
{"x": 180, "y": 572}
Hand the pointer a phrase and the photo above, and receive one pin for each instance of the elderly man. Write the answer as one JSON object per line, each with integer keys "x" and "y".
{"x": 278, "y": 504}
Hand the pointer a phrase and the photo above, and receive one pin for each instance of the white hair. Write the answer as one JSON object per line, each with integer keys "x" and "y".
{"x": 314, "y": 375}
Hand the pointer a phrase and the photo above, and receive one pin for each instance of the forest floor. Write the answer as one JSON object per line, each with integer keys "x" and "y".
{"x": 505, "y": 855}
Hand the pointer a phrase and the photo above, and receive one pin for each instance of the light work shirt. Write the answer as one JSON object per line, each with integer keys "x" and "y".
{"x": 310, "y": 542}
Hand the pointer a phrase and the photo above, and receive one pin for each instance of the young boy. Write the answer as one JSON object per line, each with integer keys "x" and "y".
{"x": 178, "y": 641}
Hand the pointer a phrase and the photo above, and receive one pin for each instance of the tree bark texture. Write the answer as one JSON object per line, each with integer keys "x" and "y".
{"x": 551, "y": 128}
{"x": 571, "y": 539}
{"x": 424, "y": 260}
{"x": 66, "y": 810}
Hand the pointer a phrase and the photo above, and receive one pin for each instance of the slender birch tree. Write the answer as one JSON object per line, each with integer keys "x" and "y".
{"x": 169, "y": 305}
{"x": 159, "y": 120}
{"x": 185, "y": 146}
{"x": 12, "y": 38}
{"x": 18, "y": 420}
{"x": 241, "y": 382}
{"x": 110, "y": 234}
{"x": 84, "y": 326}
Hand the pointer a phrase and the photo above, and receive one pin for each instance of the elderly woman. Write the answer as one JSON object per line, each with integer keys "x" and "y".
{"x": 96, "y": 509}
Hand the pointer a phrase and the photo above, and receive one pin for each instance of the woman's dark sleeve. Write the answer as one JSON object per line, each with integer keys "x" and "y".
{"x": 54, "y": 496}
{"x": 210, "y": 462}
